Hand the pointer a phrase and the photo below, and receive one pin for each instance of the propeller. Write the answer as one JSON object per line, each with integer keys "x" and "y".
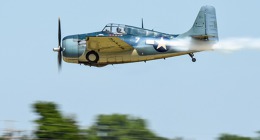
{"x": 59, "y": 49}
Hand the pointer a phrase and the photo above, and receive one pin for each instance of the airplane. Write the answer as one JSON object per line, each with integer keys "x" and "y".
{"x": 119, "y": 43}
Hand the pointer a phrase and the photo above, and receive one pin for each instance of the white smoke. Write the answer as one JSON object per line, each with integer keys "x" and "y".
{"x": 189, "y": 44}
{"x": 236, "y": 44}
{"x": 184, "y": 44}
{"x": 223, "y": 45}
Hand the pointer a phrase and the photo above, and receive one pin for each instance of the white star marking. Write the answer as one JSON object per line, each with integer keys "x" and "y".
{"x": 161, "y": 43}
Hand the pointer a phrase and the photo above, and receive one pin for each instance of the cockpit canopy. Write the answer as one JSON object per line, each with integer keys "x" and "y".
{"x": 131, "y": 30}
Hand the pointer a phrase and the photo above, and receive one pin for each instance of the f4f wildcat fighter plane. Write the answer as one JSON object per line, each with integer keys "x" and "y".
{"x": 117, "y": 43}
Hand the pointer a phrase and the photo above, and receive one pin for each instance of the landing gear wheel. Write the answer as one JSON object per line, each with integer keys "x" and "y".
{"x": 192, "y": 57}
{"x": 92, "y": 57}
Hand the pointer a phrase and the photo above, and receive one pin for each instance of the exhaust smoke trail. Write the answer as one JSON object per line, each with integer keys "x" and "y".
{"x": 236, "y": 44}
{"x": 223, "y": 45}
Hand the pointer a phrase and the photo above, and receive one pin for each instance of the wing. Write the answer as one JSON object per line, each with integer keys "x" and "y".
{"x": 107, "y": 44}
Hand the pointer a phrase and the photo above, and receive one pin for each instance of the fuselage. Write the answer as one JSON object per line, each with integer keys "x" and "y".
{"x": 146, "y": 45}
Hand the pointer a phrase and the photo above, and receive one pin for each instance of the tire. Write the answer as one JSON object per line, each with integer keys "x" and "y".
{"x": 92, "y": 57}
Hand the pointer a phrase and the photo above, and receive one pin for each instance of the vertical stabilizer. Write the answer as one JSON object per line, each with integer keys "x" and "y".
{"x": 205, "y": 25}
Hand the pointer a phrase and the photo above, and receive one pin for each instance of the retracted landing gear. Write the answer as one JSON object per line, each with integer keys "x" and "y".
{"x": 192, "y": 57}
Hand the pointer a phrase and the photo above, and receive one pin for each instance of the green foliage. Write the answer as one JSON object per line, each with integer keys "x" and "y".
{"x": 120, "y": 127}
{"x": 233, "y": 137}
{"x": 53, "y": 125}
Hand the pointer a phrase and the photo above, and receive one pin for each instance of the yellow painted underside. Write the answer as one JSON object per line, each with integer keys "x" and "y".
{"x": 107, "y": 44}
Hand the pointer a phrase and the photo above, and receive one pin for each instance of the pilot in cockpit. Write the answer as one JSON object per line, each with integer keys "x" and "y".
{"x": 107, "y": 30}
{"x": 120, "y": 30}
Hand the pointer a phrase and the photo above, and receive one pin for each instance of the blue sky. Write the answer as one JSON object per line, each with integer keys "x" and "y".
{"x": 219, "y": 93}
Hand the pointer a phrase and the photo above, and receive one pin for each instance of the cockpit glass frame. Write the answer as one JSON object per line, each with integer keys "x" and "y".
{"x": 113, "y": 28}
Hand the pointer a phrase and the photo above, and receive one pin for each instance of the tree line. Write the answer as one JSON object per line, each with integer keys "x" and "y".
{"x": 53, "y": 125}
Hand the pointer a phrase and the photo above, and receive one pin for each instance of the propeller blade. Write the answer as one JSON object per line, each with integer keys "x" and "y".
{"x": 59, "y": 33}
{"x": 59, "y": 61}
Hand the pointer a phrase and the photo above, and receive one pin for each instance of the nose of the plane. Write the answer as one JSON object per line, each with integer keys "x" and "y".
{"x": 70, "y": 48}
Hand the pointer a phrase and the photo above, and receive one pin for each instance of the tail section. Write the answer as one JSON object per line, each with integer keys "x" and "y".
{"x": 205, "y": 26}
